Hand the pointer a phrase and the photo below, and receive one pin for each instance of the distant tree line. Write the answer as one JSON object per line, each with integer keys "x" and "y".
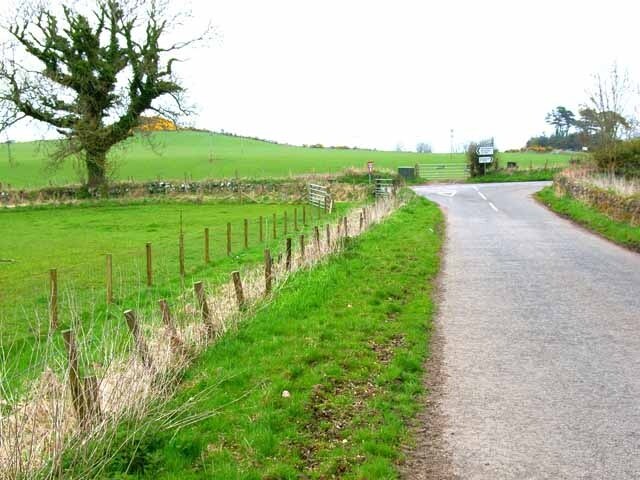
{"x": 590, "y": 129}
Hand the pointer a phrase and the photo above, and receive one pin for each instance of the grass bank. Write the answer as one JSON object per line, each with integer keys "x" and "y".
{"x": 346, "y": 340}
{"x": 619, "y": 232}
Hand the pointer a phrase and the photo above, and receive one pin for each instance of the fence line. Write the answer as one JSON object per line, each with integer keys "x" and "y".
{"x": 102, "y": 400}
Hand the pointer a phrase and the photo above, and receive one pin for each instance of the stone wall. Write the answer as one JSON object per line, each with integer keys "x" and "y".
{"x": 231, "y": 190}
{"x": 612, "y": 204}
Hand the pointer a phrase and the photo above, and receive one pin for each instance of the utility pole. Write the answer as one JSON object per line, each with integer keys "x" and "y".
{"x": 451, "y": 151}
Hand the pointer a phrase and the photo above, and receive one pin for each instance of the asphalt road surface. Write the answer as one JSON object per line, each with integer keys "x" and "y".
{"x": 541, "y": 328}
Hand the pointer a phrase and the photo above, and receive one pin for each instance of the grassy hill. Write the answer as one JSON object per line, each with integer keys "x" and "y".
{"x": 201, "y": 155}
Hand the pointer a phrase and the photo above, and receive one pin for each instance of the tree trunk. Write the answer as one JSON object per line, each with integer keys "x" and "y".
{"x": 96, "y": 169}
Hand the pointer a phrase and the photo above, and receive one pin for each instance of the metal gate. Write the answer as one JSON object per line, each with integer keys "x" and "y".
{"x": 320, "y": 197}
{"x": 442, "y": 171}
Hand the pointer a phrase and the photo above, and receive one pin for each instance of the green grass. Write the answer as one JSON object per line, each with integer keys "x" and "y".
{"x": 201, "y": 155}
{"x": 534, "y": 175}
{"x": 347, "y": 339}
{"x": 618, "y": 232}
{"x": 75, "y": 239}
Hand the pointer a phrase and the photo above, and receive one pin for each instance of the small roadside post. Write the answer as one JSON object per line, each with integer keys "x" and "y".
{"x": 370, "y": 169}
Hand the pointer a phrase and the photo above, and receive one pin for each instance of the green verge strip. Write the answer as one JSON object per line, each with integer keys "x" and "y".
{"x": 619, "y": 232}
{"x": 322, "y": 381}
{"x": 535, "y": 175}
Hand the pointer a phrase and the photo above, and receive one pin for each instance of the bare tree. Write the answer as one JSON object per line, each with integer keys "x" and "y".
{"x": 91, "y": 75}
{"x": 607, "y": 105}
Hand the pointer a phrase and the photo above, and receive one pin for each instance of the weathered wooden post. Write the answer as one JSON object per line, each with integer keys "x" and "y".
{"x": 201, "y": 296}
{"x": 302, "y": 248}
{"x": 75, "y": 384}
{"x": 286, "y": 223}
{"x": 207, "y": 258}
{"x": 316, "y": 233}
{"x": 288, "y": 255}
{"x": 181, "y": 254}
{"x": 328, "y": 237}
{"x": 141, "y": 346}
{"x": 237, "y": 283}
{"x": 246, "y": 233}
{"x": 53, "y": 299}
{"x": 274, "y": 226}
{"x": 92, "y": 397}
{"x": 175, "y": 340}
{"x": 361, "y": 221}
{"x": 346, "y": 227}
{"x": 109, "y": 278}
{"x": 295, "y": 219}
{"x": 149, "y": 266}
{"x": 268, "y": 275}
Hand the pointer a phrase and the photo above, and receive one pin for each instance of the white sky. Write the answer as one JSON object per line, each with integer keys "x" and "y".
{"x": 377, "y": 73}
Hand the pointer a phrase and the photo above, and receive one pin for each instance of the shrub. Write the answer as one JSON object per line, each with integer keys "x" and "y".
{"x": 475, "y": 167}
{"x": 621, "y": 157}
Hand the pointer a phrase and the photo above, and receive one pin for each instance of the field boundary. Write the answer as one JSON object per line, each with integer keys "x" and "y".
{"x": 159, "y": 353}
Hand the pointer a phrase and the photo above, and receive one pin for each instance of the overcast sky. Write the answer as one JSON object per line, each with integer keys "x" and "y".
{"x": 378, "y": 73}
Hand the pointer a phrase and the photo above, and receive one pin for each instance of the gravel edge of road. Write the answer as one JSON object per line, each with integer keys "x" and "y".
{"x": 430, "y": 458}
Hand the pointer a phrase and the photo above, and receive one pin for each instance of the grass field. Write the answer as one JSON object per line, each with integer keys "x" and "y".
{"x": 201, "y": 155}
{"x": 347, "y": 340}
{"x": 618, "y": 232}
{"x": 75, "y": 239}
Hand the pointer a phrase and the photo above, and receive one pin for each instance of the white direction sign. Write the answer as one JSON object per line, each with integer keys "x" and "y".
{"x": 485, "y": 159}
{"x": 485, "y": 151}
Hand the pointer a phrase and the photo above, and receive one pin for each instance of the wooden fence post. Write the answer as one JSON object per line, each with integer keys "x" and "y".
{"x": 109, "y": 278}
{"x": 267, "y": 271}
{"x": 288, "y": 255}
{"x": 53, "y": 299}
{"x": 316, "y": 233}
{"x": 237, "y": 283}
{"x": 285, "y": 227}
{"x": 304, "y": 215}
{"x": 149, "y": 266}
{"x": 346, "y": 227}
{"x": 228, "y": 238}
{"x": 92, "y": 397}
{"x": 181, "y": 254}
{"x": 246, "y": 233}
{"x": 141, "y": 346}
{"x": 168, "y": 323}
{"x": 275, "y": 223}
{"x": 328, "y": 237}
{"x": 204, "y": 307}
{"x": 77, "y": 392}
{"x": 302, "y": 247}
{"x": 261, "y": 235}
{"x": 207, "y": 258}
{"x": 361, "y": 221}
{"x": 295, "y": 219}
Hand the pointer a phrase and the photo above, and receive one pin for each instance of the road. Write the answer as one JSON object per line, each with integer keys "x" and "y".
{"x": 541, "y": 327}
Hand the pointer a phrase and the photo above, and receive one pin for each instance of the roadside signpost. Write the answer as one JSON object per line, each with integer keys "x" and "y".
{"x": 485, "y": 156}
{"x": 484, "y": 151}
